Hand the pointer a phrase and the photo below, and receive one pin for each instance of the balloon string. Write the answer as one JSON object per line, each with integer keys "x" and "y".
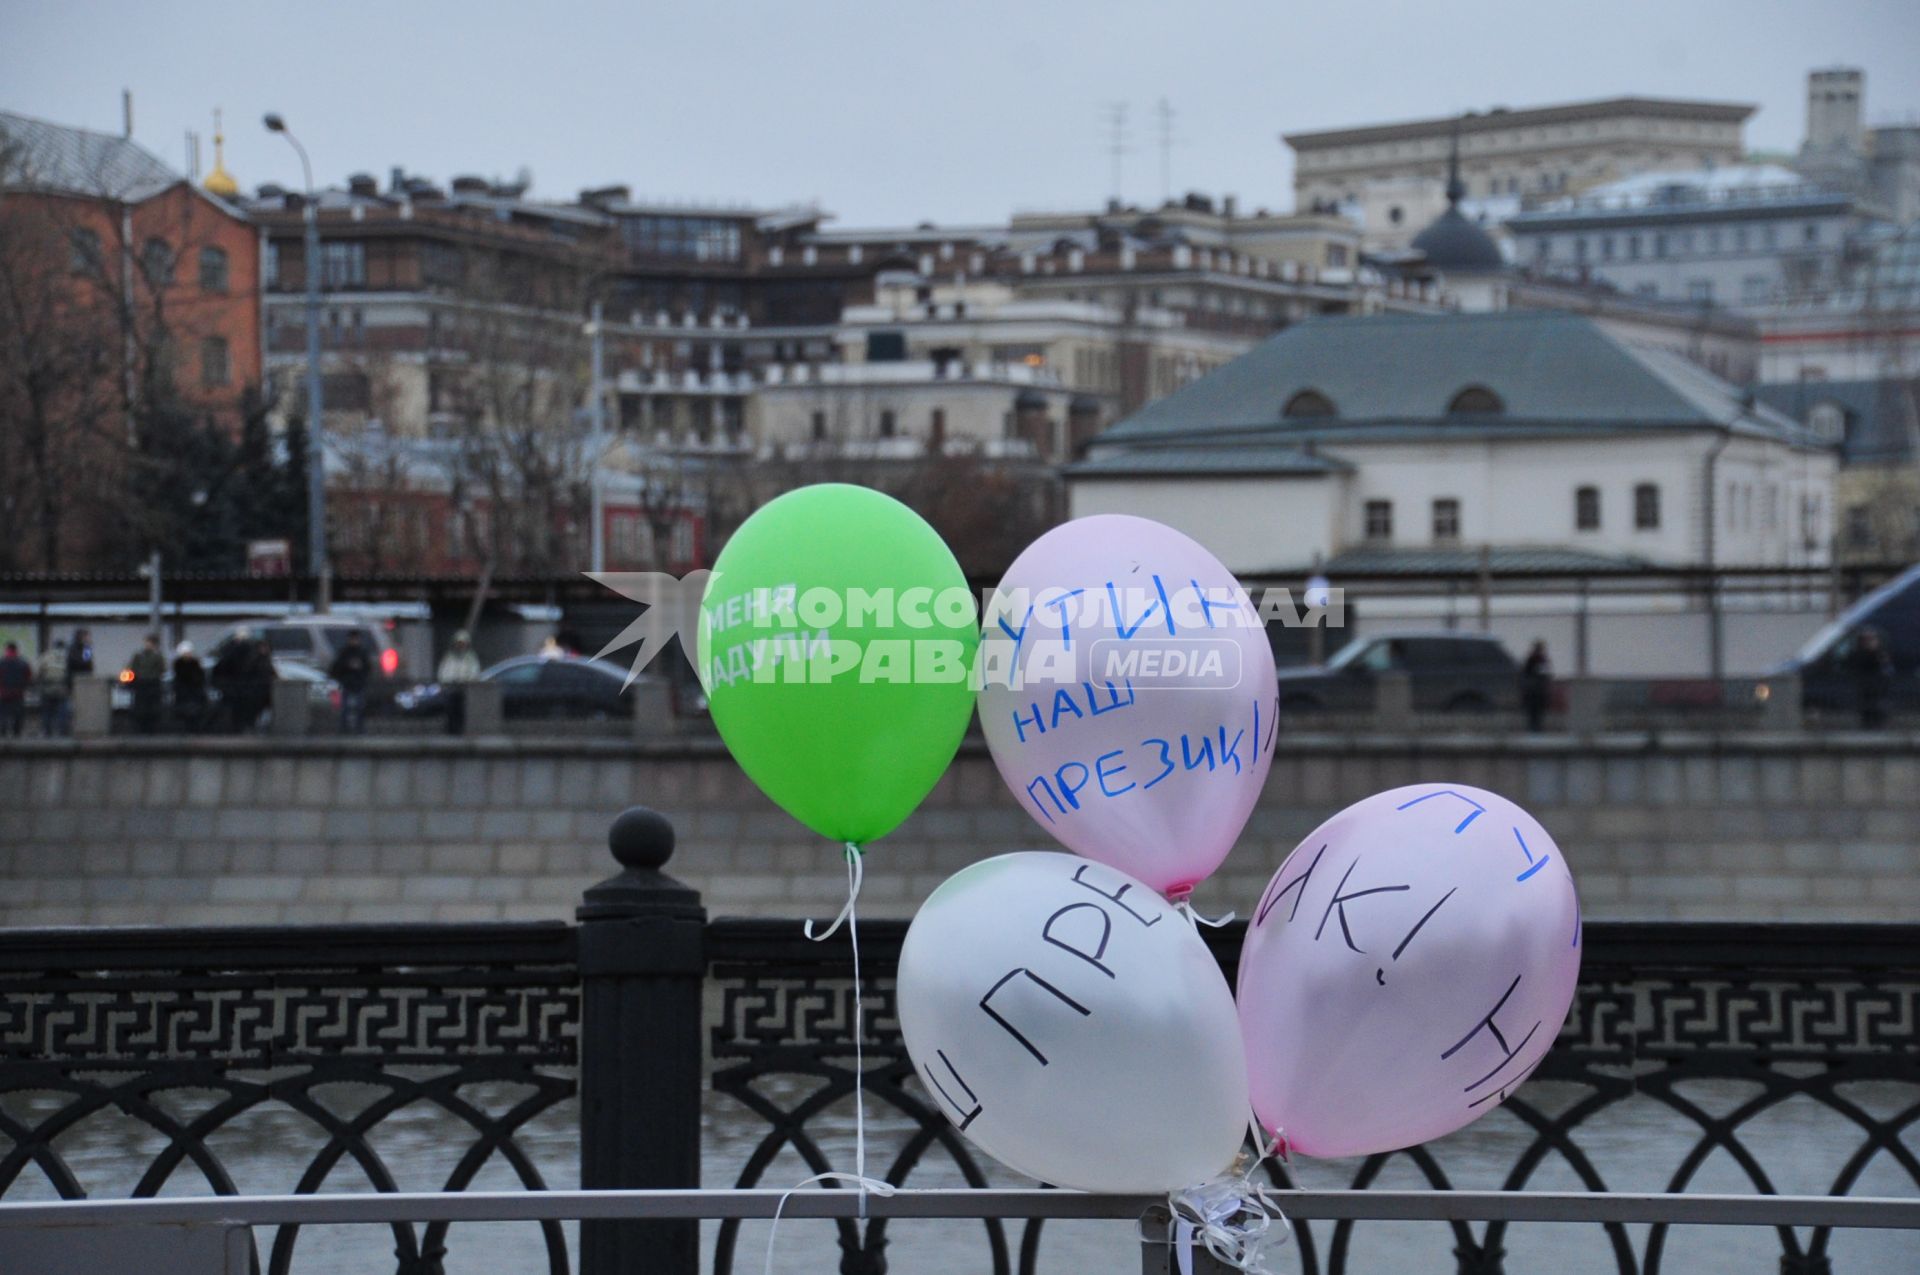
{"x": 1229, "y": 1216}
{"x": 850, "y": 915}
{"x": 1184, "y": 908}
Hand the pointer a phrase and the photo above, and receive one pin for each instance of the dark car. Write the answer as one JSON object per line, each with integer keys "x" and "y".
{"x": 552, "y": 687}
{"x": 1451, "y": 672}
{"x": 1893, "y": 610}
{"x": 314, "y": 640}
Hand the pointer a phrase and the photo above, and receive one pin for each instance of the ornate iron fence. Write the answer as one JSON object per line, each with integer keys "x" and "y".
{"x": 612, "y": 1012}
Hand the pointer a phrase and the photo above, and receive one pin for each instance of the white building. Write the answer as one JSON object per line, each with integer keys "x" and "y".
{"x": 1747, "y": 237}
{"x": 1523, "y": 432}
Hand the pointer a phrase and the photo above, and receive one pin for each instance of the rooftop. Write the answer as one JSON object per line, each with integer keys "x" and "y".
{"x": 1529, "y": 371}
{"x": 1501, "y": 117}
{"x": 77, "y": 161}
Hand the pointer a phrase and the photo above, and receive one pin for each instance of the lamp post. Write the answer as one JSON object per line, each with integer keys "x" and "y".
{"x": 316, "y": 459}
{"x": 597, "y": 443}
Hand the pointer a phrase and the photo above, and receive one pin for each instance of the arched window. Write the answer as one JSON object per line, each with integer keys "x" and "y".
{"x": 1309, "y": 403}
{"x": 213, "y": 270}
{"x": 1828, "y": 421}
{"x": 1475, "y": 399}
{"x": 1586, "y": 508}
{"x": 156, "y": 258}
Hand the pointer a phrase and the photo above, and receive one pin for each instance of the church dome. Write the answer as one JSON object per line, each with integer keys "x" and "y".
{"x": 219, "y": 181}
{"x": 1451, "y": 242}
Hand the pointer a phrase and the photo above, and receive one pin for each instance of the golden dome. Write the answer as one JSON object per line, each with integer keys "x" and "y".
{"x": 220, "y": 182}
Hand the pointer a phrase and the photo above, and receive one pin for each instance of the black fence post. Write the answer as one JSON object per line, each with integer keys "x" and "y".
{"x": 642, "y": 969}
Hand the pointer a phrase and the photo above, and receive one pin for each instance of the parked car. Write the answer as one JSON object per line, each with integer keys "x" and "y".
{"x": 314, "y": 640}
{"x": 1452, "y": 672}
{"x": 552, "y": 687}
{"x": 1821, "y": 665}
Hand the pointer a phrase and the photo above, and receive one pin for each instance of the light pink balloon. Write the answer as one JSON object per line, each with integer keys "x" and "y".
{"x": 1128, "y": 697}
{"x": 1407, "y": 967}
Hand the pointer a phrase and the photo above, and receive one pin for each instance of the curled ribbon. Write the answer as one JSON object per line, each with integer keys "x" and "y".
{"x": 1185, "y": 908}
{"x": 1231, "y": 1217}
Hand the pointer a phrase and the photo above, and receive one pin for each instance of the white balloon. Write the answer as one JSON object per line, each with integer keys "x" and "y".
{"x": 1407, "y": 967}
{"x": 1074, "y": 1025}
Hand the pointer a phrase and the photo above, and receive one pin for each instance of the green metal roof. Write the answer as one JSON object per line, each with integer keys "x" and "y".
{"x": 1552, "y": 370}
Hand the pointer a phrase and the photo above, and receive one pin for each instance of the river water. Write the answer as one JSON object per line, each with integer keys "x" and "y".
{"x": 1635, "y": 1146}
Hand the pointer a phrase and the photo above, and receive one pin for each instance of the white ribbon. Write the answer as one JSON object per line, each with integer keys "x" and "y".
{"x": 1230, "y": 1215}
{"x": 1185, "y": 908}
{"x": 850, "y": 916}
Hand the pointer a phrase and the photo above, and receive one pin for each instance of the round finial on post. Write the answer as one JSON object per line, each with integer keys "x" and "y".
{"x": 641, "y": 838}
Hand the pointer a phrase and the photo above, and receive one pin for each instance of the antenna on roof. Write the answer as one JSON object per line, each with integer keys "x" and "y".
{"x": 1116, "y": 113}
{"x": 1165, "y": 113}
{"x": 126, "y": 113}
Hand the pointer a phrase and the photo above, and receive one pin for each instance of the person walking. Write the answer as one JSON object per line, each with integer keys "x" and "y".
{"x": 229, "y": 676}
{"x": 56, "y": 690}
{"x": 1872, "y": 671}
{"x": 189, "y": 689}
{"x": 80, "y": 656}
{"x": 352, "y": 668}
{"x": 1536, "y": 685}
{"x": 15, "y": 676}
{"x": 147, "y": 671}
{"x": 257, "y": 683}
{"x": 458, "y": 667}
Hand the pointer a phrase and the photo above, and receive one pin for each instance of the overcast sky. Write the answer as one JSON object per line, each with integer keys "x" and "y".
{"x": 899, "y": 112}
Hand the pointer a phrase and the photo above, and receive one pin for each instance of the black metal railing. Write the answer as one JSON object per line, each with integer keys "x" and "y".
{"x": 645, "y": 1011}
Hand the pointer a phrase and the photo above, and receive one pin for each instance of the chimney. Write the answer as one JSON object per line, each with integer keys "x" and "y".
{"x": 363, "y": 184}
{"x": 1229, "y": 205}
{"x": 126, "y": 113}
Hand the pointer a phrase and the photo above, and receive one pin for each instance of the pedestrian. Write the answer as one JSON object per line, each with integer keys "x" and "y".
{"x": 56, "y": 690}
{"x": 147, "y": 672}
{"x": 1536, "y": 685}
{"x": 15, "y": 676}
{"x": 352, "y": 667}
{"x": 458, "y": 667}
{"x": 229, "y": 676}
{"x": 189, "y": 688}
{"x": 258, "y": 682}
{"x": 1872, "y": 671}
{"x": 80, "y": 656}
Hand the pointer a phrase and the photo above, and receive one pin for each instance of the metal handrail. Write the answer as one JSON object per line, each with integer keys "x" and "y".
{"x": 1871, "y": 1212}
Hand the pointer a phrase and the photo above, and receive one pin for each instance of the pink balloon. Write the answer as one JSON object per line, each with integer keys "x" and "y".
{"x": 1128, "y": 697}
{"x": 1408, "y": 966}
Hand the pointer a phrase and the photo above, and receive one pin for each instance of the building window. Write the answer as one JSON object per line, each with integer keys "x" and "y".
{"x": 1586, "y": 508}
{"x": 1580, "y": 248}
{"x": 1446, "y": 519}
{"x": 1395, "y": 215}
{"x": 1606, "y": 247}
{"x": 1859, "y": 526}
{"x": 1633, "y": 247}
{"x": 271, "y": 269}
{"x": 343, "y": 265}
{"x": 83, "y": 255}
{"x": 1646, "y": 507}
{"x": 819, "y": 427}
{"x": 213, "y": 270}
{"x": 213, "y": 361}
{"x": 937, "y": 430}
{"x": 1828, "y": 421}
{"x": 1700, "y": 291}
{"x": 1810, "y": 233}
{"x": 1754, "y": 288}
{"x": 1309, "y": 403}
{"x": 887, "y": 423}
{"x": 1379, "y": 515}
{"x": 1475, "y": 400}
{"x": 156, "y": 258}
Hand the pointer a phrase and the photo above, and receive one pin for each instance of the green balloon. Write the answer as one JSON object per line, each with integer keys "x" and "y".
{"x": 836, "y": 645}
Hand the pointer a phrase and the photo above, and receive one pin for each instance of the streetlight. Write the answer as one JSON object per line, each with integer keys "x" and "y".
{"x": 316, "y": 459}
{"x": 597, "y": 443}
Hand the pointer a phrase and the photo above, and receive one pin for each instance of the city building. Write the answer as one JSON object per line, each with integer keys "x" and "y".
{"x": 1518, "y": 433}
{"x": 1748, "y": 237}
{"x": 1881, "y": 165}
{"x": 1393, "y": 177}
{"x": 173, "y": 269}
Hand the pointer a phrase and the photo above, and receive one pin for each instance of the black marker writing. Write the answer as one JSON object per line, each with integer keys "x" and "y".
{"x": 1117, "y": 897}
{"x": 967, "y": 1117}
{"x": 1274, "y": 896}
{"x": 1339, "y": 903}
{"x": 1488, "y": 1024}
{"x": 1015, "y": 1032}
{"x": 1099, "y": 949}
